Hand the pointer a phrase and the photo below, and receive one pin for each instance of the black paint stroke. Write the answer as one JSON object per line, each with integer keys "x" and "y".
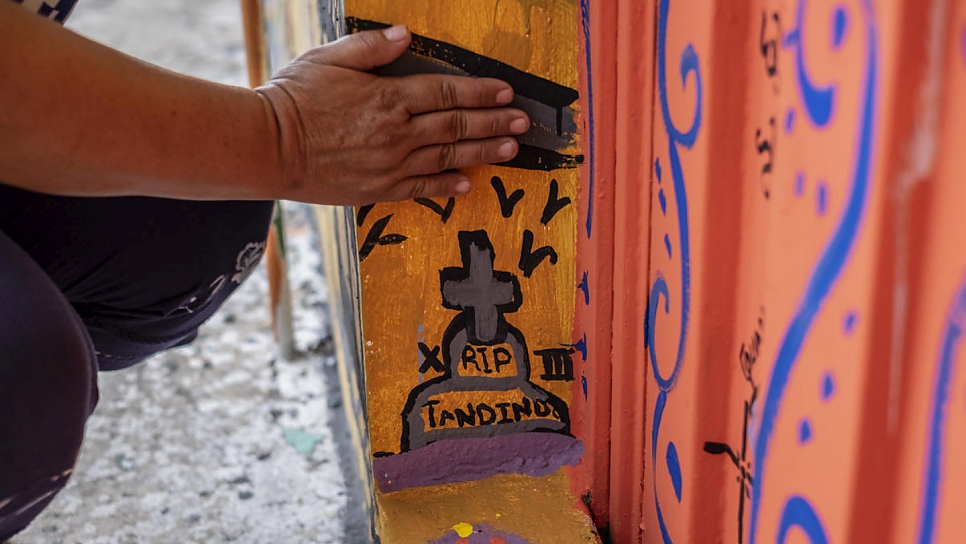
{"x": 528, "y": 85}
{"x": 546, "y": 102}
{"x": 554, "y": 204}
{"x": 747, "y": 357}
{"x": 530, "y": 259}
{"x": 507, "y": 203}
{"x": 376, "y": 238}
{"x": 362, "y": 213}
{"x": 536, "y": 158}
{"x": 769, "y": 48}
{"x": 430, "y": 359}
{"x": 558, "y": 364}
{"x": 443, "y": 212}
{"x": 766, "y": 146}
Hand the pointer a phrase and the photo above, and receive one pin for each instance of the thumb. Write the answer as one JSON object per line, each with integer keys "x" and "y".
{"x": 367, "y": 50}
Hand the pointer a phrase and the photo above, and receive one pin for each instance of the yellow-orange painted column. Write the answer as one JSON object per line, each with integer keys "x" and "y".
{"x": 468, "y": 304}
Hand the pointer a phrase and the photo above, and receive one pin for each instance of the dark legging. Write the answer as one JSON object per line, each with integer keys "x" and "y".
{"x": 98, "y": 283}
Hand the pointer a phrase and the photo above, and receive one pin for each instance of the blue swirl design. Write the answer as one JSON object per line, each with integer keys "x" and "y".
{"x": 829, "y": 267}
{"x": 688, "y": 65}
{"x": 585, "y": 25}
{"x": 799, "y": 513}
{"x": 818, "y": 101}
{"x": 932, "y": 477}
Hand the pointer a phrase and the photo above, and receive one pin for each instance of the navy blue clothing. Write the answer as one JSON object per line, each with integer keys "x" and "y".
{"x": 48, "y": 387}
{"x": 98, "y": 283}
{"x": 142, "y": 273}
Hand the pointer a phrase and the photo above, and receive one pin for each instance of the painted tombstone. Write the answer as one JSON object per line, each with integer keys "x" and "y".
{"x": 485, "y": 361}
{"x": 468, "y": 303}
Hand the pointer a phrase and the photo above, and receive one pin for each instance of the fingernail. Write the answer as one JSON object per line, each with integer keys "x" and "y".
{"x": 396, "y": 33}
{"x": 504, "y": 97}
{"x": 506, "y": 150}
{"x": 519, "y": 125}
{"x": 463, "y": 186}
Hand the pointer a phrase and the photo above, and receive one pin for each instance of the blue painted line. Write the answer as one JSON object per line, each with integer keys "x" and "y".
{"x": 585, "y": 23}
{"x": 674, "y": 468}
{"x": 688, "y": 65}
{"x": 828, "y": 387}
{"x": 818, "y": 101}
{"x": 798, "y": 512}
{"x": 657, "y": 166}
{"x": 840, "y": 24}
{"x": 935, "y": 438}
{"x": 655, "y": 431}
{"x": 831, "y": 263}
{"x": 789, "y": 120}
{"x": 663, "y": 201}
{"x": 804, "y": 432}
{"x": 848, "y": 326}
{"x": 584, "y": 286}
{"x": 581, "y": 346}
{"x": 583, "y": 384}
{"x": 667, "y": 245}
{"x": 821, "y": 198}
{"x": 799, "y": 184}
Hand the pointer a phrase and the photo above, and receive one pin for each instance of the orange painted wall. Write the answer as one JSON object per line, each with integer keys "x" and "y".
{"x": 767, "y": 281}
{"x": 788, "y": 269}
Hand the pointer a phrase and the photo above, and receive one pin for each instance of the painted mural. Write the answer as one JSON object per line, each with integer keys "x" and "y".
{"x": 810, "y": 402}
{"x": 468, "y": 304}
{"x": 720, "y": 296}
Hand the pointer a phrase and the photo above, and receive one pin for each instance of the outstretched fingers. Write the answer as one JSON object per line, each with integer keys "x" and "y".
{"x": 434, "y": 159}
{"x": 432, "y": 170}
{"x": 426, "y": 93}
{"x": 446, "y": 184}
{"x": 443, "y": 127}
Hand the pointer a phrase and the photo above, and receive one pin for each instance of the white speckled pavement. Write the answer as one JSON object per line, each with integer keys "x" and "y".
{"x": 219, "y": 441}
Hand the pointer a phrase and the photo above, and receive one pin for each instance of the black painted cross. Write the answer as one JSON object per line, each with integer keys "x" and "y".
{"x": 484, "y": 294}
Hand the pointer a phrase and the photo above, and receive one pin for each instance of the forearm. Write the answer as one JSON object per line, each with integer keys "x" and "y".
{"x": 78, "y": 118}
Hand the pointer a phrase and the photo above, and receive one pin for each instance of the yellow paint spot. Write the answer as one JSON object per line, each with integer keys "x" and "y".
{"x": 463, "y": 529}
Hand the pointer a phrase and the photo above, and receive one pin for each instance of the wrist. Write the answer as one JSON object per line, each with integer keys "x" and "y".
{"x": 283, "y": 136}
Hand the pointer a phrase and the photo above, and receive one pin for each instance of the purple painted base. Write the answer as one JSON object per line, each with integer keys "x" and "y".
{"x": 482, "y": 534}
{"x": 468, "y": 459}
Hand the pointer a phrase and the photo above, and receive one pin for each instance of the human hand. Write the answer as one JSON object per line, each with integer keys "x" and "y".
{"x": 349, "y": 137}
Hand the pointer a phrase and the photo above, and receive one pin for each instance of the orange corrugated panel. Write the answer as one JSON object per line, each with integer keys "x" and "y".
{"x": 932, "y": 438}
{"x": 591, "y": 400}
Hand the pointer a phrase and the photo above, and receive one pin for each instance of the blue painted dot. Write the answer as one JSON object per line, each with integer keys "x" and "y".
{"x": 667, "y": 245}
{"x": 804, "y": 432}
{"x": 800, "y": 184}
{"x": 821, "y": 198}
{"x": 674, "y": 468}
{"x": 828, "y": 386}
{"x": 848, "y": 324}
{"x": 789, "y": 120}
{"x": 663, "y": 200}
{"x": 581, "y": 346}
{"x": 583, "y": 384}
{"x": 840, "y": 23}
{"x": 657, "y": 169}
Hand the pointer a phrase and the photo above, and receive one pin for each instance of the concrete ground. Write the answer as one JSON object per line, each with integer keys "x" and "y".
{"x": 221, "y": 441}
